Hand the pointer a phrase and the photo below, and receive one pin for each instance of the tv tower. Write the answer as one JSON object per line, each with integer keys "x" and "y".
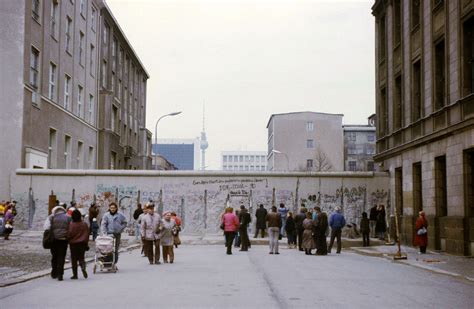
{"x": 204, "y": 143}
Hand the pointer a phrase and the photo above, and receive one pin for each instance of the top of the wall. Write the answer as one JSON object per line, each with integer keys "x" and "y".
{"x": 151, "y": 173}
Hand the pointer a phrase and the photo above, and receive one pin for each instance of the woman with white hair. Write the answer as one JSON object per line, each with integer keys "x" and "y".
{"x": 166, "y": 237}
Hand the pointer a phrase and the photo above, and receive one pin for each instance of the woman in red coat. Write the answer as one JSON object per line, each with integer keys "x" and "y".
{"x": 421, "y": 232}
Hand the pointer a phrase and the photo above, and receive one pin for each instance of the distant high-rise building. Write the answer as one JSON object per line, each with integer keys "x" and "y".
{"x": 244, "y": 160}
{"x": 182, "y": 153}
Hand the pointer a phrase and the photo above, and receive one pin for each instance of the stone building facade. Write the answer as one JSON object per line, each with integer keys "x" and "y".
{"x": 425, "y": 114}
{"x": 359, "y": 148}
{"x": 54, "y": 107}
{"x": 243, "y": 160}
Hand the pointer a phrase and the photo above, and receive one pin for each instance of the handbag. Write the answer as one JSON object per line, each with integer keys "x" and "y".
{"x": 48, "y": 237}
{"x": 222, "y": 226}
{"x": 421, "y": 231}
{"x": 176, "y": 240}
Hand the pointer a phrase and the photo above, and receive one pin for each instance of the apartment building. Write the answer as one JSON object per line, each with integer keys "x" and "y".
{"x": 425, "y": 113}
{"x": 359, "y": 147}
{"x": 244, "y": 161}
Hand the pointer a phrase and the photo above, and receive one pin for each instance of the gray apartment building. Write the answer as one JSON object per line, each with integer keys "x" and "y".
{"x": 62, "y": 104}
{"x": 305, "y": 141}
{"x": 359, "y": 147}
{"x": 425, "y": 114}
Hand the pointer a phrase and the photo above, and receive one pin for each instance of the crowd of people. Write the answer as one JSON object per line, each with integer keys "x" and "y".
{"x": 7, "y": 218}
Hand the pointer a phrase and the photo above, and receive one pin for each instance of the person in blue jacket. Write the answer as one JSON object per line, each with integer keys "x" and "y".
{"x": 336, "y": 222}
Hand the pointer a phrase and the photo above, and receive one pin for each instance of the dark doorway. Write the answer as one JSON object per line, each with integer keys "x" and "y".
{"x": 468, "y": 200}
{"x": 441, "y": 196}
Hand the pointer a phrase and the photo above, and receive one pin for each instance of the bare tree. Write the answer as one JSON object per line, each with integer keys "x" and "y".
{"x": 322, "y": 163}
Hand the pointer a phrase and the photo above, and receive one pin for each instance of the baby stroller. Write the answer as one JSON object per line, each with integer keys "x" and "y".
{"x": 104, "y": 258}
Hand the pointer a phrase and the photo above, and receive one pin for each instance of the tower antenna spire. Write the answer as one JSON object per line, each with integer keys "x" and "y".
{"x": 204, "y": 143}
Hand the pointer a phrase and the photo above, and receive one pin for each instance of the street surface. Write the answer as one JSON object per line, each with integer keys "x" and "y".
{"x": 205, "y": 277}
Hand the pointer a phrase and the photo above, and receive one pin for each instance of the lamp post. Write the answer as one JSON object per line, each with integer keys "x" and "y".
{"x": 156, "y": 136}
{"x": 286, "y": 156}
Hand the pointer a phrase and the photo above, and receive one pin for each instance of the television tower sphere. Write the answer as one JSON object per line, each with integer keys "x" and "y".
{"x": 204, "y": 143}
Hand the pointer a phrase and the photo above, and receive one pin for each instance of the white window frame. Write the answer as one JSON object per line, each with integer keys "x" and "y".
{"x": 81, "y": 48}
{"x": 54, "y": 19}
{"x": 67, "y": 91}
{"x": 35, "y": 10}
{"x": 34, "y": 67}
{"x": 68, "y": 33}
{"x": 93, "y": 18}
{"x": 309, "y": 143}
{"x": 91, "y": 61}
{"x": 52, "y": 81}
{"x": 309, "y": 126}
{"x": 90, "y": 111}
{"x": 90, "y": 159}
{"x": 80, "y": 97}
{"x": 67, "y": 151}
{"x": 82, "y": 6}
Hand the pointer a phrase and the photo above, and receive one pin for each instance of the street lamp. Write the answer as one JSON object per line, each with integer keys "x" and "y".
{"x": 156, "y": 136}
{"x": 286, "y": 156}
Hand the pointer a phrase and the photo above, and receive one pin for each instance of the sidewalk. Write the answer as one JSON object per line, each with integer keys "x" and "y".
{"x": 438, "y": 262}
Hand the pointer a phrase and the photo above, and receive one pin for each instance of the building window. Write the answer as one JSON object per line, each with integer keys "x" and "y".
{"x": 351, "y": 149}
{"x": 352, "y": 166}
{"x": 415, "y": 13}
{"x": 309, "y": 164}
{"x": 35, "y": 10}
{"x": 90, "y": 111}
{"x": 382, "y": 38}
{"x": 352, "y": 136}
{"x": 437, "y": 3}
{"x": 236, "y": 159}
{"x": 370, "y": 149}
{"x": 54, "y": 19}
{"x": 68, "y": 33}
{"x": 441, "y": 193}
{"x": 224, "y": 158}
{"x": 113, "y": 157}
{"x": 417, "y": 89}
{"x": 90, "y": 157}
{"x": 399, "y": 190}
{"x": 106, "y": 34}
{"x": 397, "y": 23}
{"x": 34, "y": 68}
{"x": 80, "y": 97}
{"x": 468, "y": 56}
{"x": 80, "y": 155}
{"x": 113, "y": 121}
{"x": 52, "y": 148}
{"x": 417, "y": 188}
{"x": 397, "y": 104}
{"x": 52, "y": 82}
{"x": 81, "y": 48}
{"x": 67, "y": 91}
{"x": 440, "y": 76}
{"x": 370, "y": 166}
{"x": 93, "y": 18}
{"x": 383, "y": 119}
{"x": 67, "y": 151}
{"x": 91, "y": 60}
{"x": 309, "y": 143}
{"x": 309, "y": 126}
{"x": 370, "y": 137}
{"x": 82, "y": 7}
{"x": 114, "y": 54}
{"x": 104, "y": 73}
{"x": 230, "y": 159}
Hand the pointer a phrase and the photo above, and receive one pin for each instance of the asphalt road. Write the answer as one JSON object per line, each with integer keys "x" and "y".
{"x": 205, "y": 277}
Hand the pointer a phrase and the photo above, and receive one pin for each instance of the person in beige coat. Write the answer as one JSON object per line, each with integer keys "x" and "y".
{"x": 166, "y": 237}
{"x": 149, "y": 228}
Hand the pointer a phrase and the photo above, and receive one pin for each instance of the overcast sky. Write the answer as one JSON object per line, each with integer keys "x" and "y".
{"x": 247, "y": 60}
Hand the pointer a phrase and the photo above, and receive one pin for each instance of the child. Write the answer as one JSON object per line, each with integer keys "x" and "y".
{"x": 8, "y": 229}
{"x": 365, "y": 229}
{"x": 94, "y": 228}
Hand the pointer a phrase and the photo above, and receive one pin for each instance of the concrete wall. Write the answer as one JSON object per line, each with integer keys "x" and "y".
{"x": 199, "y": 198}
{"x": 12, "y": 29}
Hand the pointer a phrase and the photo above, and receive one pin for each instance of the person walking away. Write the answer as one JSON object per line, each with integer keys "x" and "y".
{"x": 322, "y": 228}
{"x": 421, "y": 228}
{"x": 237, "y": 234}
{"x": 315, "y": 218}
{"x": 176, "y": 230}
{"x": 78, "y": 237}
{"x": 94, "y": 228}
{"x": 274, "y": 227}
{"x": 381, "y": 226}
{"x": 373, "y": 220}
{"x": 166, "y": 237}
{"x": 290, "y": 230}
{"x": 113, "y": 223}
{"x": 245, "y": 220}
{"x": 231, "y": 224}
{"x": 150, "y": 222}
{"x": 365, "y": 230}
{"x": 336, "y": 222}
{"x": 58, "y": 224}
{"x": 299, "y": 218}
{"x": 93, "y": 213}
{"x": 9, "y": 219}
{"x": 283, "y": 211}
{"x": 308, "y": 239}
{"x": 138, "y": 211}
{"x": 261, "y": 225}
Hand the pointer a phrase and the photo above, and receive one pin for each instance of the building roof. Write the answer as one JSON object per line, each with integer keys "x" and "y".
{"x": 306, "y": 112}
{"x": 358, "y": 127}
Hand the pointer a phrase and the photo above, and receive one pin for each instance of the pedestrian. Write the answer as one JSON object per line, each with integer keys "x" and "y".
{"x": 78, "y": 238}
{"x": 150, "y": 223}
{"x": 373, "y": 220}
{"x": 308, "y": 239}
{"x": 314, "y": 217}
{"x": 58, "y": 224}
{"x": 237, "y": 233}
{"x": 230, "y": 224}
{"x": 381, "y": 226}
{"x": 113, "y": 223}
{"x": 336, "y": 222}
{"x": 421, "y": 228}
{"x": 166, "y": 237}
{"x": 290, "y": 230}
{"x": 299, "y": 218}
{"x": 365, "y": 230}
{"x": 138, "y": 211}
{"x": 274, "y": 227}
{"x": 244, "y": 220}
{"x": 321, "y": 234}
{"x": 93, "y": 213}
{"x": 9, "y": 219}
{"x": 261, "y": 225}
{"x": 283, "y": 211}
{"x": 94, "y": 228}
{"x": 139, "y": 221}
{"x": 176, "y": 230}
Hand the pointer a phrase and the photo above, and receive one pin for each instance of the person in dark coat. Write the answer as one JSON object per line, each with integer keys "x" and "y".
{"x": 421, "y": 236}
{"x": 245, "y": 220}
{"x": 290, "y": 231}
{"x": 321, "y": 234}
{"x": 299, "y": 218}
{"x": 365, "y": 230}
{"x": 78, "y": 237}
{"x": 93, "y": 213}
{"x": 381, "y": 225}
{"x": 261, "y": 215}
{"x": 373, "y": 220}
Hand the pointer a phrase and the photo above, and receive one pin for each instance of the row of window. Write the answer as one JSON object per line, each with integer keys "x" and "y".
{"x": 352, "y": 166}
{"x": 242, "y": 158}
{"x": 352, "y": 136}
{"x": 369, "y": 149}
{"x": 243, "y": 168}
{"x": 78, "y": 158}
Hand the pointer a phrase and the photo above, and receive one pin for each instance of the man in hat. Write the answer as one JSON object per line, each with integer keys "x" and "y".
{"x": 149, "y": 228}
{"x": 336, "y": 222}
